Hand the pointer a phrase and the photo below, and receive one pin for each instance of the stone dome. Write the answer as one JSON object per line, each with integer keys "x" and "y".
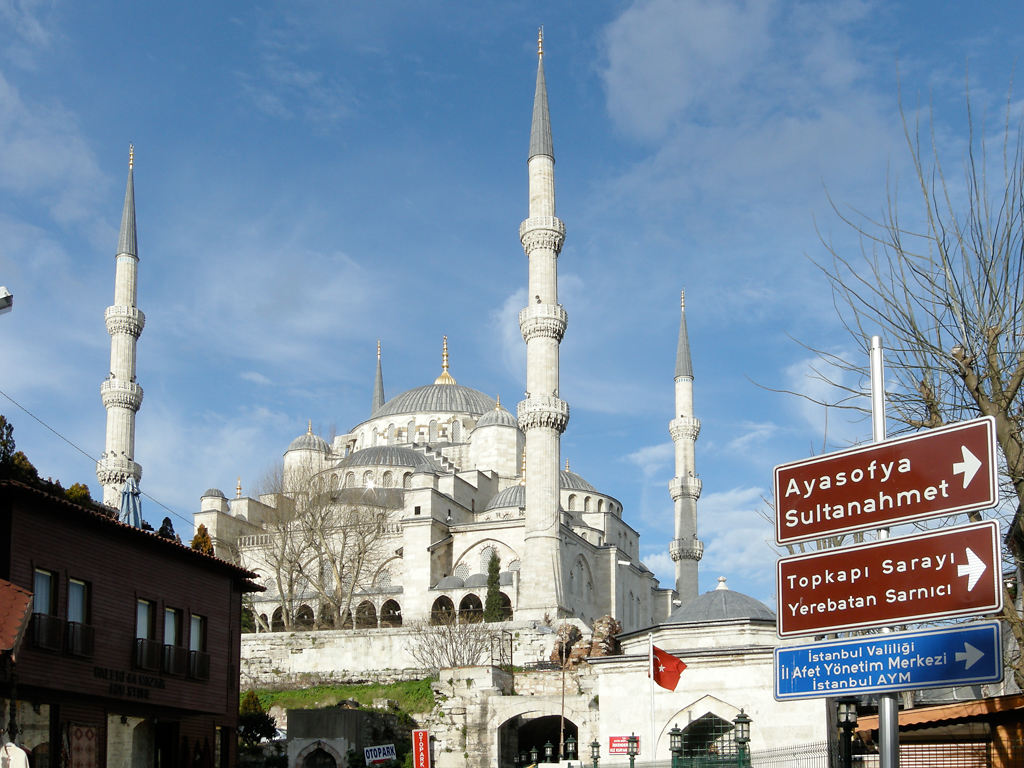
{"x": 215, "y": 493}
{"x": 497, "y": 417}
{"x": 721, "y": 604}
{"x": 570, "y": 481}
{"x": 476, "y": 580}
{"x": 513, "y": 496}
{"x": 434, "y": 398}
{"x": 309, "y": 442}
{"x": 450, "y": 582}
{"x": 389, "y": 456}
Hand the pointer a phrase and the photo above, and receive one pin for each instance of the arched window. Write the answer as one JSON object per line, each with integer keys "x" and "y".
{"x": 277, "y": 620}
{"x": 456, "y": 431}
{"x": 410, "y": 432}
{"x": 388, "y": 480}
{"x": 366, "y": 616}
{"x": 432, "y": 435}
{"x": 586, "y": 504}
{"x": 442, "y": 611}
{"x": 391, "y": 614}
{"x": 350, "y": 479}
{"x": 600, "y": 505}
{"x": 407, "y": 480}
{"x": 485, "y": 558}
{"x": 304, "y": 617}
{"x": 382, "y": 580}
{"x": 334, "y": 482}
{"x": 572, "y": 501}
{"x": 471, "y": 610}
{"x": 506, "y": 607}
{"x": 367, "y": 478}
{"x": 462, "y": 571}
{"x": 376, "y": 436}
{"x": 513, "y": 566}
{"x": 391, "y": 434}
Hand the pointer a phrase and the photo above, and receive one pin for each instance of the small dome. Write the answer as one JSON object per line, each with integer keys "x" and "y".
{"x": 450, "y": 582}
{"x": 513, "y": 496}
{"x": 309, "y": 442}
{"x": 497, "y": 417}
{"x": 477, "y": 580}
{"x": 215, "y": 493}
{"x": 505, "y": 578}
{"x": 389, "y": 456}
{"x": 721, "y": 604}
{"x": 570, "y": 481}
{"x": 434, "y": 398}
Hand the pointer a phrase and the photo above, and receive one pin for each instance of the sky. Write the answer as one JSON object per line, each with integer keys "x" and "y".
{"x": 311, "y": 177}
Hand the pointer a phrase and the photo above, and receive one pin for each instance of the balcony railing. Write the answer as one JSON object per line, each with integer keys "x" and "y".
{"x": 80, "y": 639}
{"x": 47, "y": 631}
{"x": 199, "y": 665}
{"x": 147, "y": 654}
{"x": 175, "y": 660}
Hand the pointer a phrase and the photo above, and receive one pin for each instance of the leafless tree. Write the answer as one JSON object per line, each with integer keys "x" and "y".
{"x": 446, "y": 642}
{"x": 946, "y": 294}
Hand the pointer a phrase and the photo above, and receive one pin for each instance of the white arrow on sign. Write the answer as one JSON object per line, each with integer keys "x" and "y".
{"x": 968, "y": 467}
{"x": 972, "y": 570}
{"x": 970, "y": 654}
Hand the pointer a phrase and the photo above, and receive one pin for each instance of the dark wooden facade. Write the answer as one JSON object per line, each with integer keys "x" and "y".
{"x": 92, "y": 679}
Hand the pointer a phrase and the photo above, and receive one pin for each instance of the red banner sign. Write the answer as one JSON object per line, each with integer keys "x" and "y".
{"x": 952, "y": 572}
{"x": 937, "y": 472}
{"x": 619, "y": 745}
{"x": 421, "y": 748}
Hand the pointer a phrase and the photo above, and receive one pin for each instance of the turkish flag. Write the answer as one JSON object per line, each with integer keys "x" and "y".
{"x": 666, "y": 668}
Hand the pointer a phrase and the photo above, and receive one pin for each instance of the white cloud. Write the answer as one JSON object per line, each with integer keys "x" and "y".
{"x": 652, "y": 459}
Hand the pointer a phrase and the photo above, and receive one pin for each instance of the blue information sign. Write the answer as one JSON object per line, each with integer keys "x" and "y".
{"x": 898, "y": 661}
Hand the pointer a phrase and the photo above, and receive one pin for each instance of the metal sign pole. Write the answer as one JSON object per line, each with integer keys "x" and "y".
{"x": 888, "y": 704}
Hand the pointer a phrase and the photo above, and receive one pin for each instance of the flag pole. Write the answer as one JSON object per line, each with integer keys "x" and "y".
{"x": 650, "y": 672}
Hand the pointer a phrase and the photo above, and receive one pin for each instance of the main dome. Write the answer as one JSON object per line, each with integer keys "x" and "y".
{"x": 435, "y": 398}
{"x": 721, "y": 604}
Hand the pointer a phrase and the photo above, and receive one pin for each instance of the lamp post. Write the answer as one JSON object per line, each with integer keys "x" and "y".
{"x": 549, "y": 752}
{"x": 675, "y": 744}
{"x": 846, "y": 713}
{"x": 570, "y": 748}
{"x": 595, "y": 751}
{"x": 742, "y": 725}
{"x": 524, "y": 759}
{"x": 534, "y": 754}
{"x": 632, "y": 748}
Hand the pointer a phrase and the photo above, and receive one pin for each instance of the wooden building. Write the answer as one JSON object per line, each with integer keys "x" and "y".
{"x": 131, "y": 656}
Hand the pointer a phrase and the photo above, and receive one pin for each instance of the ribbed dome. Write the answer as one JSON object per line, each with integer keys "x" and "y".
{"x": 513, "y": 496}
{"x": 476, "y": 580}
{"x": 450, "y": 582}
{"x": 570, "y": 481}
{"x": 497, "y": 417}
{"x": 389, "y": 456}
{"x": 215, "y": 493}
{"x": 308, "y": 442}
{"x": 721, "y": 604}
{"x": 446, "y": 398}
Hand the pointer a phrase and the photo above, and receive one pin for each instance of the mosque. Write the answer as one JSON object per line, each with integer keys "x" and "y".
{"x": 463, "y": 478}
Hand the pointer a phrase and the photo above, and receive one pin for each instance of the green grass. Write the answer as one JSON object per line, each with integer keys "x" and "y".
{"x": 411, "y": 695}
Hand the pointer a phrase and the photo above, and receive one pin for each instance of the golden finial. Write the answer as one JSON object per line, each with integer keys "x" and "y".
{"x": 682, "y": 299}
{"x": 445, "y": 377}
{"x": 309, "y": 427}
{"x": 238, "y": 488}
{"x": 566, "y": 465}
{"x": 540, "y": 40}
{"x": 497, "y": 403}
{"x": 131, "y": 156}
{"x": 378, "y": 349}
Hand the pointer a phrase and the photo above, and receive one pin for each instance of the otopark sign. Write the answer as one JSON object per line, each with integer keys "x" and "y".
{"x": 945, "y": 573}
{"x": 940, "y": 471}
{"x": 964, "y": 655}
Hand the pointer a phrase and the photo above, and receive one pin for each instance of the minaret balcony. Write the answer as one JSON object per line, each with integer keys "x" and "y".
{"x": 686, "y": 550}
{"x": 688, "y": 487}
{"x": 121, "y": 394}
{"x": 546, "y": 320}
{"x": 124, "y": 319}
{"x": 543, "y": 411}
{"x": 542, "y": 232}
{"x": 684, "y": 428}
{"x": 115, "y": 470}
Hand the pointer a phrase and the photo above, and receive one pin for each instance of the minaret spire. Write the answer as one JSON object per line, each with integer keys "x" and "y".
{"x": 445, "y": 377}
{"x": 122, "y": 396}
{"x": 378, "y": 385}
{"x": 543, "y": 416}
{"x": 685, "y": 549}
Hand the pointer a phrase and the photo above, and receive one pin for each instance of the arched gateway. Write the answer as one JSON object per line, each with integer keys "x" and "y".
{"x": 521, "y": 734}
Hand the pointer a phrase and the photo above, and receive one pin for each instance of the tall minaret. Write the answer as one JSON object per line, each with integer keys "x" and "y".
{"x": 542, "y": 415}
{"x": 686, "y": 549}
{"x": 378, "y": 385}
{"x": 122, "y": 396}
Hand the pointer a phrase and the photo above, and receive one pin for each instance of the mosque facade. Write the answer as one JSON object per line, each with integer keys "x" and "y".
{"x": 463, "y": 478}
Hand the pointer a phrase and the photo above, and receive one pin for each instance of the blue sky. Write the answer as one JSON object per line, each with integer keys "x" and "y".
{"x": 311, "y": 177}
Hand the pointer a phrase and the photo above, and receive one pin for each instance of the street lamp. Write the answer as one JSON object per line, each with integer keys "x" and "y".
{"x": 515, "y": 760}
{"x": 742, "y": 725}
{"x": 846, "y": 713}
{"x": 570, "y": 748}
{"x": 549, "y": 752}
{"x": 632, "y": 748}
{"x": 675, "y": 744}
{"x": 524, "y": 759}
{"x": 595, "y": 751}
{"x": 534, "y": 754}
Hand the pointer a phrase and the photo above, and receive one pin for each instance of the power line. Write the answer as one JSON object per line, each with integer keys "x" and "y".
{"x": 87, "y": 455}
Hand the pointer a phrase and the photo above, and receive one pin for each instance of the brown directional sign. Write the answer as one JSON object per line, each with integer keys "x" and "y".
{"x": 938, "y": 472}
{"x": 951, "y": 572}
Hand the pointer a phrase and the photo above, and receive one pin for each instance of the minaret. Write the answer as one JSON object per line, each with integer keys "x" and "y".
{"x": 686, "y": 549}
{"x": 122, "y": 396}
{"x": 542, "y": 415}
{"x": 378, "y": 385}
